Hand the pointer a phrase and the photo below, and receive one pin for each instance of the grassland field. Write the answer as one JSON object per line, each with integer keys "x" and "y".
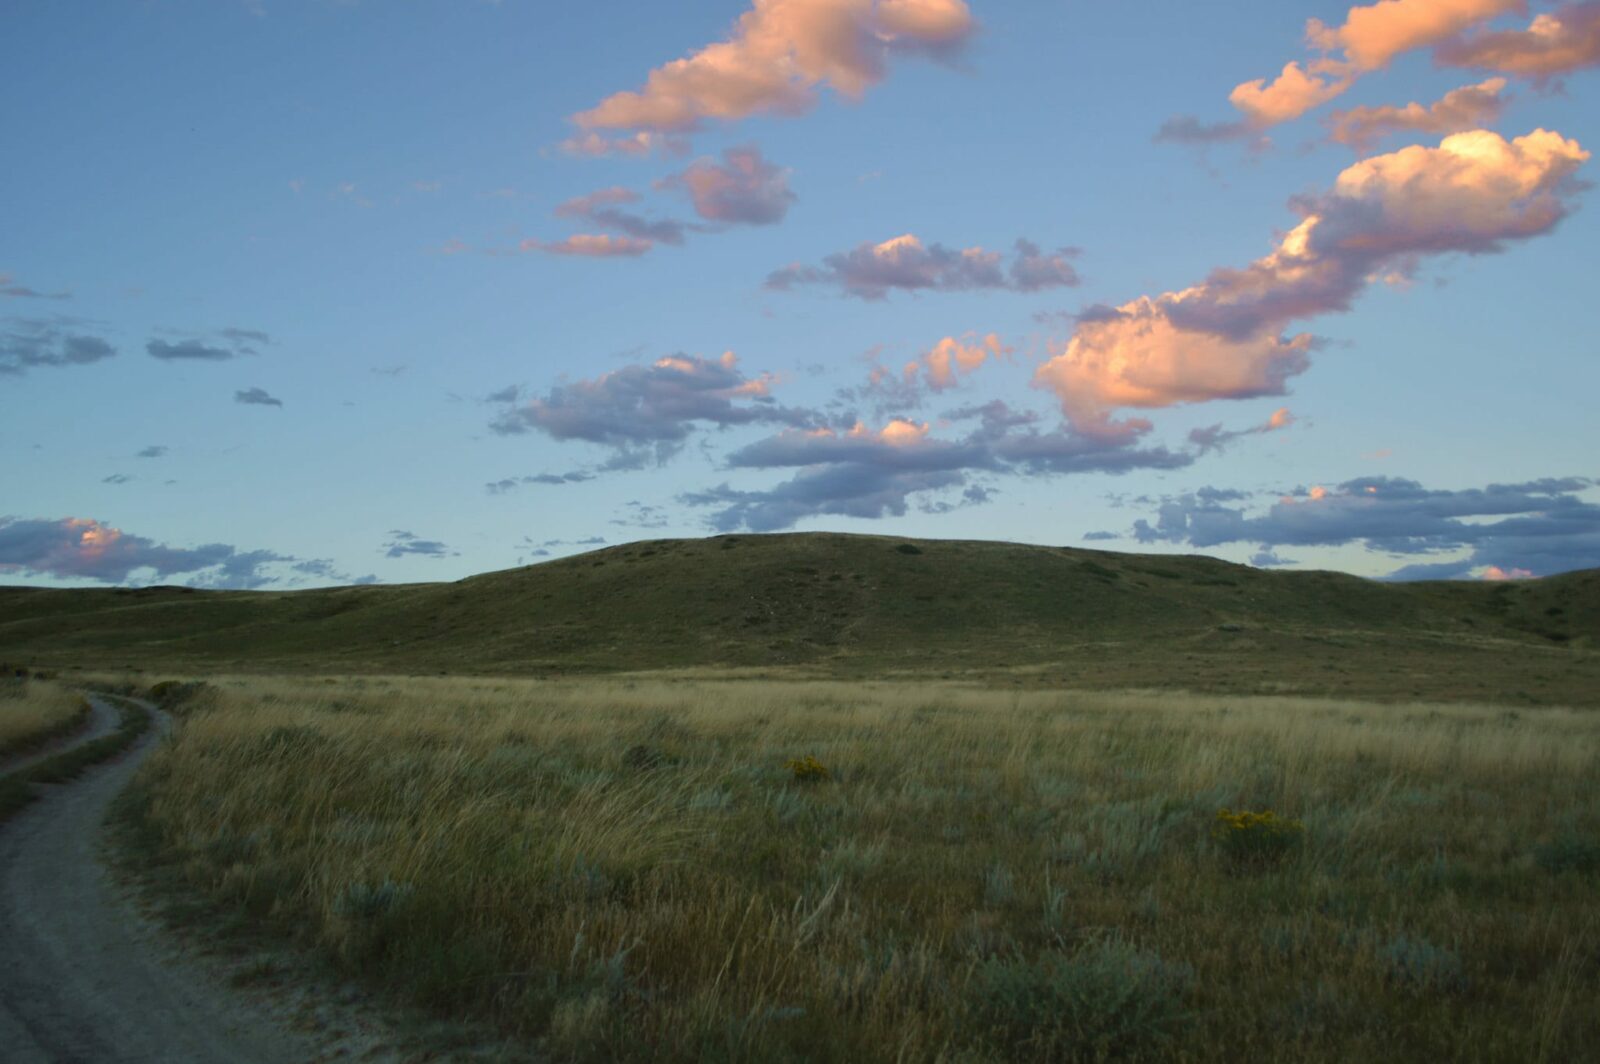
{"x": 34, "y": 711}
{"x": 660, "y": 868}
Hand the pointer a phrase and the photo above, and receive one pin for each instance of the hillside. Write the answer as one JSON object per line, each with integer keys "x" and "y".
{"x": 865, "y": 606}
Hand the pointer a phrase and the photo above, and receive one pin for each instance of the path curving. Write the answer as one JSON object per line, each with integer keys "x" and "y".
{"x": 84, "y": 977}
{"x": 102, "y": 721}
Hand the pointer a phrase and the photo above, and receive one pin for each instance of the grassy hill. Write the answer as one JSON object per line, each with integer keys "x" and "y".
{"x": 865, "y": 606}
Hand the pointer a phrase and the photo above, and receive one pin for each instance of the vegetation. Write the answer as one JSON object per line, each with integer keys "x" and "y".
{"x": 16, "y": 790}
{"x": 610, "y": 869}
{"x": 33, "y": 712}
{"x": 823, "y": 605}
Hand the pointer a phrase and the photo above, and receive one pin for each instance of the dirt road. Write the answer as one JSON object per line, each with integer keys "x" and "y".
{"x": 85, "y": 978}
{"x": 102, "y": 721}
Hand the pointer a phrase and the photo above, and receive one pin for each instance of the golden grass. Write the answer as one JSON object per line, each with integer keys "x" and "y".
{"x": 32, "y": 711}
{"x": 624, "y": 869}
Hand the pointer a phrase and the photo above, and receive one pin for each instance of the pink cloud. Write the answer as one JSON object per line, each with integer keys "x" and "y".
{"x": 591, "y": 245}
{"x": 1553, "y": 44}
{"x": 1494, "y": 572}
{"x": 1367, "y": 40}
{"x": 1376, "y": 33}
{"x": 581, "y": 206}
{"x": 1469, "y": 107}
{"x": 1224, "y": 338}
{"x": 777, "y": 55}
{"x": 952, "y": 357}
{"x": 1290, "y": 95}
{"x": 1215, "y": 437}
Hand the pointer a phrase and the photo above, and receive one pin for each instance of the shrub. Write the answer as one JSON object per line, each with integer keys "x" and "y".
{"x": 1256, "y": 838}
{"x": 1419, "y": 966}
{"x": 1107, "y": 1000}
{"x": 1569, "y": 852}
{"x": 180, "y": 695}
{"x": 808, "y": 769}
{"x": 642, "y": 758}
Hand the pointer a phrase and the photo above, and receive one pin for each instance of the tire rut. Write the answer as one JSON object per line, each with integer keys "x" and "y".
{"x": 88, "y": 978}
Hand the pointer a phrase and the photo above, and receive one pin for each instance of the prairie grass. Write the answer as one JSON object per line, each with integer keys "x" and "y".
{"x": 34, "y": 711}
{"x": 624, "y": 870}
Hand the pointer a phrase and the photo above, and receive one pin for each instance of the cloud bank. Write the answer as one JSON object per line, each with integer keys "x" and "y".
{"x": 1538, "y": 528}
{"x": 27, "y": 343}
{"x": 1224, "y": 338}
{"x": 82, "y": 548}
{"x": 777, "y": 56}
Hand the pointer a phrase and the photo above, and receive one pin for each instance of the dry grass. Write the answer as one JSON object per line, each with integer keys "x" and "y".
{"x": 33, "y": 711}
{"x": 628, "y": 870}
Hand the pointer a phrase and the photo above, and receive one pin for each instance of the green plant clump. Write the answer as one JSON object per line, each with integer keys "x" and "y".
{"x": 808, "y": 769}
{"x": 1256, "y": 838}
{"x": 1107, "y": 1001}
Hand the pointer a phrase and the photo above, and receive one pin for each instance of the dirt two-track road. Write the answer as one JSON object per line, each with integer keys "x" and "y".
{"x": 84, "y": 977}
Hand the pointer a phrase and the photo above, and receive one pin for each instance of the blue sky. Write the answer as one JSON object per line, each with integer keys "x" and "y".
{"x": 288, "y": 251}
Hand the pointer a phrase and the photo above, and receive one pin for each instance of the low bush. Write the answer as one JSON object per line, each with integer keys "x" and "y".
{"x": 1108, "y": 1000}
{"x": 808, "y": 769}
{"x": 1256, "y": 838}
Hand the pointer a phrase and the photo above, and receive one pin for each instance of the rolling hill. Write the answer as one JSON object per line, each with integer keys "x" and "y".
{"x": 865, "y": 606}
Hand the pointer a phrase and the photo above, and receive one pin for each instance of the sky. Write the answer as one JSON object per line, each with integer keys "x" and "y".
{"x": 302, "y": 292}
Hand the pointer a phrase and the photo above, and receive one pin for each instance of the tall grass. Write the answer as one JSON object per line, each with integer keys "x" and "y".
{"x": 35, "y": 711}
{"x": 635, "y": 870}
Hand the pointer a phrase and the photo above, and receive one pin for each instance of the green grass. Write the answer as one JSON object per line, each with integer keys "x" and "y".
{"x": 815, "y": 604}
{"x": 615, "y": 869}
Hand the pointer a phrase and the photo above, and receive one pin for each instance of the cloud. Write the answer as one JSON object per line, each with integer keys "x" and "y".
{"x": 1553, "y": 44}
{"x": 1187, "y": 129}
{"x": 29, "y": 343}
{"x": 651, "y": 406}
{"x": 9, "y": 289}
{"x": 637, "y": 514}
{"x": 743, "y": 189}
{"x": 873, "y": 473}
{"x": 1215, "y": 438}
{"x": 845, "y": 490}
{"x": 152, "y": 451}
{"x": 1268, "y": 559}
{"x": 1224, "y": 337}
{"x": 255, "y": 397}
{"x": 187, "y": 349}
{"x": 1374, "y": 34}
{"x": 592, "y": 245}
{"x": 402, "y": 543}
{"x": 871, "y": 271}
{"x": 777, "y": 55}
{"x": 500, "y": 487}
{"x": 594, "y": 145}
{"x": 233, "y": 343}
{"x": 116, "y": 478}
{"x": 950, "y": 358}
{"x": 1540, "y": 526}
{"x": 1291, "y": 94}
{"x": 1367, "y": 40}
{"x": 83, "y": 548}
{"x": 1468, "y": 107}
{"x": 602, "y": 208}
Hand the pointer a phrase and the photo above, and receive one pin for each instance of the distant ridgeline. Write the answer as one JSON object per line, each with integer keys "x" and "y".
{"x": 866, "y": 606}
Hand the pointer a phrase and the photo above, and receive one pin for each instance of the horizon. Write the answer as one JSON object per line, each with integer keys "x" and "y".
{"x": 1305, "y": 287}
